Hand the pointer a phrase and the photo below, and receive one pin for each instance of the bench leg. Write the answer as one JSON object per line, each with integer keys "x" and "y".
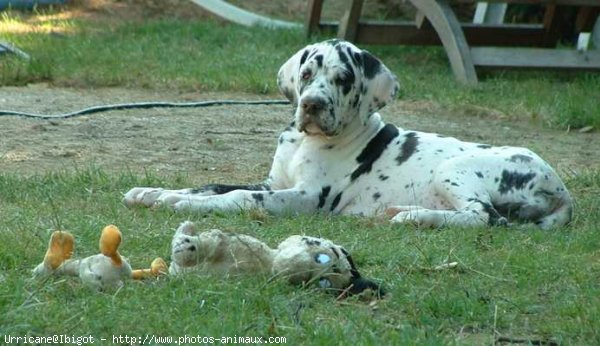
{"x": 445, "y": 23}
{"x": 349, "y": 22}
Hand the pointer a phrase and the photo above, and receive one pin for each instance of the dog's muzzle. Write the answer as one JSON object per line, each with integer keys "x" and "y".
{"x": 311, "y": 109}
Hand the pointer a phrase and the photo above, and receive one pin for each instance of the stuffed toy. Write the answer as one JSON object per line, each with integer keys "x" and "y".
{"x": 299, "y": 259}
{"x": 104, "y": 271}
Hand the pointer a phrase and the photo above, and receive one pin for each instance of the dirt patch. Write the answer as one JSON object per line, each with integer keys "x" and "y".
{"x": 222, "y": 143}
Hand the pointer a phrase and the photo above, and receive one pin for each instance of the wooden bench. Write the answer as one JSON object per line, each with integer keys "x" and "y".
{"x": 474, "y": 44}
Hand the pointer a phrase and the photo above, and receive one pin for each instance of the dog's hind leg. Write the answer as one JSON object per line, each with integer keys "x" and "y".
{"x": 471, "y": 212}
{"x": 471, "y": 205}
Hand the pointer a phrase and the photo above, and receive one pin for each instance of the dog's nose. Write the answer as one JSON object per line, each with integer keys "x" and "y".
{"x": 313, "y": 105}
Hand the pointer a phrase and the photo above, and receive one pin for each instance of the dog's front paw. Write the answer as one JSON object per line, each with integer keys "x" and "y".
{"x": 142, "y": 196}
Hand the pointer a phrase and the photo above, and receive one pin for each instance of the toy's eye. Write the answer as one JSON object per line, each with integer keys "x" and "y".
{"x": 324, "y": 283}
{"x": 306, "y": 75}
{"x": 322, "y": 258}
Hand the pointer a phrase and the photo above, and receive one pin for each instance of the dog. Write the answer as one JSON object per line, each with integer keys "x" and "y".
{"x": 339, "y": 157}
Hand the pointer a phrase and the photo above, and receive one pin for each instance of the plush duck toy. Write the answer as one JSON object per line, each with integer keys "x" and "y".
{"x": 298, "y": 259}
{"x": 104, "y": 271}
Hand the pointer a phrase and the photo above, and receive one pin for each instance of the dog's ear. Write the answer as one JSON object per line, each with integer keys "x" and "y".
{"x": 380, "y": 85}
{"x": 287, "y": 78}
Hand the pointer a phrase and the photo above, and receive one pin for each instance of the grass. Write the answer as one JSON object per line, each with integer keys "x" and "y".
{"x": 519, "y": 282}
{"x": 208, "y": 56}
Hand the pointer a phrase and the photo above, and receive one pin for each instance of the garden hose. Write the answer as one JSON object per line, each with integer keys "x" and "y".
{"x": 142, "y": 105}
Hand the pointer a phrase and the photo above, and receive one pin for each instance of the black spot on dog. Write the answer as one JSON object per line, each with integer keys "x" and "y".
{"x": 355, "y": 102}
{"x": 353, "y": 56}
{"x": 344, "y": 59}
{"x": 374, "y": 149}
{"x": 303, "y": 57}
{"x": 521, "y": 211}
{"x": 323, "y": 196}
{"x": 371, "y": 65}
{"x": 376, "y": 196}
{"x": 319, "y": 59}
{"x": 259, "y": 198}
{"x": 408, "y": 148}
{"x": 454, "y": 184}
{"x": 494, "y": 218}
{"x": 520, "y": 157}
{"x": 336, "y": 201}
{"x": 383, "y": 177}
{"x": 345, "y": 81}
{"x": 479, "y": 174}
{"x": 484, "y": 146}
{"x": 514, "y": 180}
{"x": 357, "y": 57}
{"x": 363, "y": 89}
{"x": 219, "y": 189}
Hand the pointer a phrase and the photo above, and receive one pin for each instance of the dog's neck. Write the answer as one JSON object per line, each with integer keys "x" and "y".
{"x": 356, "y": 133}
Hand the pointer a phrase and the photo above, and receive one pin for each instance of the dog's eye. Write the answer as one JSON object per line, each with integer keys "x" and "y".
{"x": 306, "y": 75}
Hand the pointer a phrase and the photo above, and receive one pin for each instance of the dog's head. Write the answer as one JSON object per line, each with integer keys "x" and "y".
{"x": 334, "y": 84}
{"x": 307, "y": 260}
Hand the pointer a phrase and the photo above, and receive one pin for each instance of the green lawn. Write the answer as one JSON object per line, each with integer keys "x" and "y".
{"x": 516, "y": 282}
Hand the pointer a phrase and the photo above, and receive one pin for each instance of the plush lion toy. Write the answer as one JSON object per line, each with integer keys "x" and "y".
{"x": 104, "y": 271}
{"x": 299, "y": 259}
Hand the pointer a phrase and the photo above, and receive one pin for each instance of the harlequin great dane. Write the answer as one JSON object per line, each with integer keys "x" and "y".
{"x": 339, "y": 157}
